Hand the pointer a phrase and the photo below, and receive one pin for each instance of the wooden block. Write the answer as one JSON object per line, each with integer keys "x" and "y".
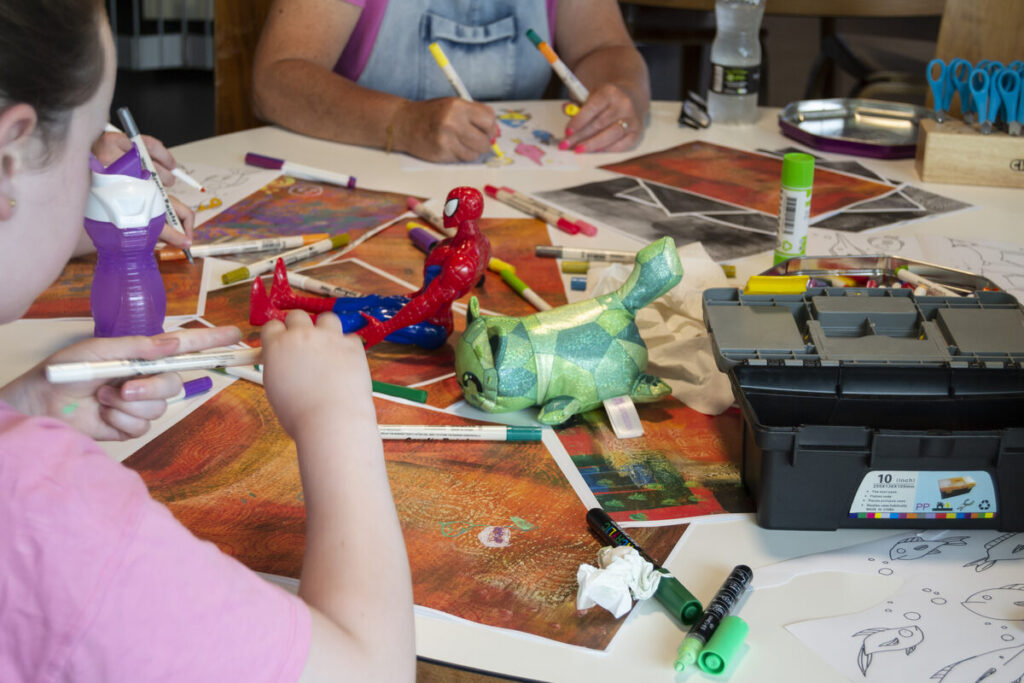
{"x": 953, "y": 152}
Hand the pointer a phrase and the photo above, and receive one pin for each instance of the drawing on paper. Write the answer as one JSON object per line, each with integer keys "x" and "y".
{"x": 228, "y": 472}
{"x": 997, "y": 666}
{"x": 1004, "y": 604}
{"x": 914, "y": 547}
{"x": 880, "y": 640}
{"x": 1006, "y": 547}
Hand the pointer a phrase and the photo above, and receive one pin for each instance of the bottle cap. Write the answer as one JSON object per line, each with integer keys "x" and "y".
{"x": 797, "y": 170}
{"x": 676, "y": 599}
{"x": 721, "y": 650}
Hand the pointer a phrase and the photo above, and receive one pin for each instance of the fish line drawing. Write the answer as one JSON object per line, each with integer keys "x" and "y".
{"x": 1005, "y": 603}
{"x": 1005, "y": 665}
{"x": 915, "y": 547}
{"x": 1006, "y": 547}
{"x": 880, "y": 639}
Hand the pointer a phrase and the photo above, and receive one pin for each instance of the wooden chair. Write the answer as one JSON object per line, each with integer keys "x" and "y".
{"x": 236, "y": 30}
{"x": 982, "y": 29}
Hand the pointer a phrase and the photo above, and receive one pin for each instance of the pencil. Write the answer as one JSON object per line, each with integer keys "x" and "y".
{"x": 453, "y": 77}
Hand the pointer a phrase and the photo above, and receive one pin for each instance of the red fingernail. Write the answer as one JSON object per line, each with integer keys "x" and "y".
{"x": 568, "y": 132}
{"x": 563, "y": 145}
{"x": 579, "y": 149}
{"x": 494, "y": 139}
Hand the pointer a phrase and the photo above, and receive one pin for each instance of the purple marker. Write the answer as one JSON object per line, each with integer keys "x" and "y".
{"x": 421, "y": 237}
{"x": 191, "y": 388}
{"x": 301, "y": 170}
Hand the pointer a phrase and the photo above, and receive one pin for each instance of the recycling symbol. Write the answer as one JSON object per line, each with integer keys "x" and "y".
{"x": 984, "y": 505}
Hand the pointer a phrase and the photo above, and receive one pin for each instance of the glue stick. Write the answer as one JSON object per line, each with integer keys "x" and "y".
{"x": 794, "y": 205}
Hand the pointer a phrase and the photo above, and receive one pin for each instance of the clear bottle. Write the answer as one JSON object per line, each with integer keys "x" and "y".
{"x": 735, "y": 61}
{"x": 124, "y": 216}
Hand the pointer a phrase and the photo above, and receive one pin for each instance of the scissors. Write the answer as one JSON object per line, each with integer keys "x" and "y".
{"x": 986, "y": 100}
{"x": 695, "y": 112}
{"x": 942, "y": 87}
{"x": 1009, "y": 87}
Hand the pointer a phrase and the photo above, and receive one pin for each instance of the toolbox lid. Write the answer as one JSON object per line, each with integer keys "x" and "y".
{"x": 864, "y": 327}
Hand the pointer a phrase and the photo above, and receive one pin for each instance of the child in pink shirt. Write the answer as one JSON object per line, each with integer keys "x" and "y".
{"x": 99, "y": 582}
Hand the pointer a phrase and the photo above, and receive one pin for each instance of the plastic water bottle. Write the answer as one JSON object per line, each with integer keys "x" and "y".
{"x": 124, "y": 216}
{"x": 735, "y": 61}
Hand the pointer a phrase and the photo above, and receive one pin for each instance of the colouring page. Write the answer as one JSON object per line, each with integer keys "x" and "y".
{"x": 956, "y": 612}
{"x": 224, "y": 187}
{"x": 529, "y": 140}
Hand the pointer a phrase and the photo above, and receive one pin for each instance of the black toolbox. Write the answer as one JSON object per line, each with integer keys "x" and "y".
{"x": 875, "y": 407}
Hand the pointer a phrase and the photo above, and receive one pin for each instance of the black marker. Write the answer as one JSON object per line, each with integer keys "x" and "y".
{"x": 725, "y": 600}
{"x": 670, "y": 593}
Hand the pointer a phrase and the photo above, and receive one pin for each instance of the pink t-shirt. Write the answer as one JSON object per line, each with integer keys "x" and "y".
{"x": 357, "y": 51}
{"x": 99, "y": 582}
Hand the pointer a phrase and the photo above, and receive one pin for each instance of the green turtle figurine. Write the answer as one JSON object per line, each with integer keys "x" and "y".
{"x": 570, "y": 359}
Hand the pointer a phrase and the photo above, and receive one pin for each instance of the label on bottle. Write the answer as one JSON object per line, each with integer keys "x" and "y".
{"x": 735, "y": 80}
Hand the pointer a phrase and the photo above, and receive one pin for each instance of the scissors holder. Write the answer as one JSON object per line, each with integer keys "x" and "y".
{"x": 953, "y": 152}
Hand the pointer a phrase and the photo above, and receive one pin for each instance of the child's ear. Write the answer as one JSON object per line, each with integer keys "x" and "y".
{"x": 17, "y": 124}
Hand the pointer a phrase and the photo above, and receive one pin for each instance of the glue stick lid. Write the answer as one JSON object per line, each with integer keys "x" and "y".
{"x": 797, "y": 170}
{"x": 675, "y": 597}
{"x": 722, "y": 648}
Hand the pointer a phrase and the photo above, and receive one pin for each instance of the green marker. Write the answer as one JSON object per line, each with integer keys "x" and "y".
{"x": 718, "y": 609}
{"x": 289, "y": 257}
{"x": 523, "y": 290}
{"x": 721, "y": 650}
{"x": 417, "y": 395}
{"x": 794, "y": 205}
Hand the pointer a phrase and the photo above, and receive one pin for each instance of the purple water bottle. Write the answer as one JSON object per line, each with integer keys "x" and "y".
{"x": 124, "y": 216}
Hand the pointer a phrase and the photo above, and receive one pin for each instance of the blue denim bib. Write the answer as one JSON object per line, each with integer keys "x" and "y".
{"x": 485, "y": 41}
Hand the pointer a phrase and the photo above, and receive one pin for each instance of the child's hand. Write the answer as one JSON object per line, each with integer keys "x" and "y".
{"x": 111, "y": 146}
{"x": 315, "y": 374}
{"x": 111, "y": 411}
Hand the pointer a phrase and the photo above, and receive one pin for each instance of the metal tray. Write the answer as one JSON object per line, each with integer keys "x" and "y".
{"x": 882, "y": 268}
{"x": 870, "y": 128}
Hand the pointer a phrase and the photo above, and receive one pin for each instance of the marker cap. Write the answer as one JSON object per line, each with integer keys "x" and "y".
{"x": 523, "y": 434}
{"x": 575, "y": 266}
{"x": 721, "y": 650}
{"x": 797, "y": 170}
{"x": 586, "y": 228}
{"x": 676, "y": 599}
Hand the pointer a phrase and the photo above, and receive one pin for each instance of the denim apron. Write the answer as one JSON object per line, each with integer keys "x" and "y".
{"x": 485, "y": 41}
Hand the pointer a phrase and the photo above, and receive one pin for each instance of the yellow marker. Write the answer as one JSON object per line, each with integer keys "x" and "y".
{"x": 571, "y": 109}
{"x": 453, "y": 77}
{"x": 497, "y": 265}
{"x": 776, "y": 284}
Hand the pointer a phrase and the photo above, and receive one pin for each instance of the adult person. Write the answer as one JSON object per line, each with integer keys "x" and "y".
{"x": 359, "y": 71}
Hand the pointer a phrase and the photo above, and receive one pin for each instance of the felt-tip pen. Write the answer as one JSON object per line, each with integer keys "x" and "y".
{"x": 736, "y": 584}
{"x": 672, "y": 594}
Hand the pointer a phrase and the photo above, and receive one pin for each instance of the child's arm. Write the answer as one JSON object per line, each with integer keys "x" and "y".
{"x": 355, "y": 574}
{"x": 111, "y": 411}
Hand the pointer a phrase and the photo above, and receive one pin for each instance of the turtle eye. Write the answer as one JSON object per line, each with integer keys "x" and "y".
{"x": 468, "y": 377}
{"x": 451, "y": 206}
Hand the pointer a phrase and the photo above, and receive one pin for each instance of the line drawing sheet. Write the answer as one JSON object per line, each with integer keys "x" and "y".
{"x": 955, "y": 614}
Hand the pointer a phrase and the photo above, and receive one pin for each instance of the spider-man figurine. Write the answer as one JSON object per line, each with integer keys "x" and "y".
{"x": 451, "y": 270}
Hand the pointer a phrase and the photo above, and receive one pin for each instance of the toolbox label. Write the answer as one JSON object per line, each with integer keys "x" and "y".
{"x": 910, "y": 494}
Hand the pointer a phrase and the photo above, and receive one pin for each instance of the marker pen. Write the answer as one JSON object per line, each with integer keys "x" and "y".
{"x": 453, "y": 78}
{"x": 61, "y": 373}
{"x": 932, "y": 288}
{"x": 429, "y": 215}
{"x": 136, "y": 137}
{"x": 459, "y": 432}
{"x": 301, "y": 171}
{"x": 523, "y": 290}
{"x": 605, "y": 255}
{"x": 191, "y": 388}
{"x": 672, "y": 594}
{"x": 546, "y": 214}
{"x": 576, "y": 88}
{"x": 242, "y": 246}
{"x": 421, "y": 237}
{"x": 289, "y": 257}
{"x": 538, "y": 205}
{"x": 310, "y": 284}
{"x": 725, "y": 600}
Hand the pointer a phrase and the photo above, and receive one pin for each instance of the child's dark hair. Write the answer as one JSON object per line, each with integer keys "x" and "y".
{"x": 51, "y": 58}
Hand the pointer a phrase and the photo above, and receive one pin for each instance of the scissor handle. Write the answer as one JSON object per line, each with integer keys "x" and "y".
{"x": 993, "y": 67}
{"x": 1016, "y": 65}
{"x": 979, "y": 83}
{"x": 960, "y": 70}
{"x": 1008, "y": 83}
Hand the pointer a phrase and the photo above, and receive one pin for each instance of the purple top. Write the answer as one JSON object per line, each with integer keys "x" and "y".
{"x": 364, "y": 35}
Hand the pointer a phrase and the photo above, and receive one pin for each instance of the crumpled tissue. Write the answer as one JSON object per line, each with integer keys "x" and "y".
{"x": 620, "y": 577}
{"x": 678, "y": 345}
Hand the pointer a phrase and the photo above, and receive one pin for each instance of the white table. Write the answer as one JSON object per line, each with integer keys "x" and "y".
{"x": 645, "y": 647}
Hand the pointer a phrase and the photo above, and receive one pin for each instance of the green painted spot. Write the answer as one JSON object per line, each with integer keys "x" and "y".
{"x": 522, "y": 523}
{"x": 70, "y": 408}
{"x": 638, "y": 517}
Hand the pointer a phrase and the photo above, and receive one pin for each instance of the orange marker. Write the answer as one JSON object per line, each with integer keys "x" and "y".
{"x": 244, "y": 247}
